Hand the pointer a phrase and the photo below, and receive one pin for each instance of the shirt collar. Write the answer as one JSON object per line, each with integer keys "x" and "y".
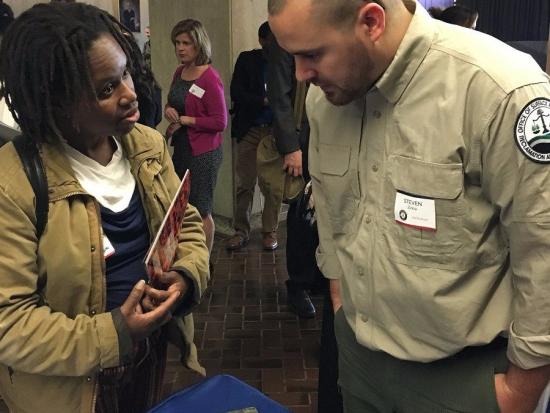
{"x": 411, "y": 52}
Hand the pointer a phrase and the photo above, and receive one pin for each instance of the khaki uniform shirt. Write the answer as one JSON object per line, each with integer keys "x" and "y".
{"x": 439, "y": 124}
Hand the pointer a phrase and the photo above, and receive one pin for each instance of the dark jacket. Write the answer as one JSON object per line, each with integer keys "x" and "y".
{"x": 6, "y": 17}
{"x": 281, "y": 88}
{"x": 247, "y": 91}
{"x": 150, "y": 107}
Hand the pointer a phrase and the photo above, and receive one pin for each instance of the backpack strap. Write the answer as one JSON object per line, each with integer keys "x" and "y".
{"x": 34, "y": 169}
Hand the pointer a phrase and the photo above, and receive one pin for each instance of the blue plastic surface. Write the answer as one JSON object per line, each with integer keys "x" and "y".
{"x": 218, "y": 394}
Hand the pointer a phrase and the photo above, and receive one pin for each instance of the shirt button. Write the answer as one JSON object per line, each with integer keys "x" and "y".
{"x": 92, "y": 312}
{"x": 88, "y": 379}
{"x": 376, "y": 114}
{"x": 364, "y": 318}
{"x": 360, "y": 272}
{"x": 368, "y": 219}
{"x": 93, "y": 248}
{"x": 375, "y": 168}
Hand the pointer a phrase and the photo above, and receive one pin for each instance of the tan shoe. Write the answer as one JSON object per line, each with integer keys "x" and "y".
{"x": 236, "y": 242}
{"x": 269, "y": 241}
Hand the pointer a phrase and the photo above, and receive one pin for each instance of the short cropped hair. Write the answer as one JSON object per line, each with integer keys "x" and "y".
{"x": 339, "y": 13}
{"x": 264, "y": 30}
{"x": 199, "y": 37}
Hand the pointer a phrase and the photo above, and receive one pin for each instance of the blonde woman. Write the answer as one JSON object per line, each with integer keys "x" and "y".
{"x": 197, "y": 114}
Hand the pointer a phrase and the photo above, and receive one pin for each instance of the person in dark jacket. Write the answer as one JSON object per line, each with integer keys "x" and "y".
{"x": 147, "y": 88}
{"x": 251, "y": 123}
{"x": 292, "y": 145}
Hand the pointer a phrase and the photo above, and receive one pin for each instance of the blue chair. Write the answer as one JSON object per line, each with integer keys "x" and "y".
{"x": 218, "y": 394}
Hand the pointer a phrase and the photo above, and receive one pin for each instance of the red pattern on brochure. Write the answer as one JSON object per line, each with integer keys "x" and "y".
{"x": 161, "y": 254}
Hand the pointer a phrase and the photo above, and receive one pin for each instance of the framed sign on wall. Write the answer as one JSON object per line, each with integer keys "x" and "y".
{"x": 129, "y": 14}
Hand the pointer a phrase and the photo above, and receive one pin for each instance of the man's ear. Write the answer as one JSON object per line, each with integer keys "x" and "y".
{"x": 371, "y": 22}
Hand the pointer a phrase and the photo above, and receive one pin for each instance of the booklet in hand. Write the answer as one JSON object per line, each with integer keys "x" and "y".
{"x": 161, "y": 254}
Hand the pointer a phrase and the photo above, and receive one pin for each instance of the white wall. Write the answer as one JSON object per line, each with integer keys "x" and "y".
{"x": 246, "y": 17}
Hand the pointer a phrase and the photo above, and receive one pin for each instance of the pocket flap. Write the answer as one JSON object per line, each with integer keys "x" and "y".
{"x": 334, "y": 159}
{"x": 431, "y": 180}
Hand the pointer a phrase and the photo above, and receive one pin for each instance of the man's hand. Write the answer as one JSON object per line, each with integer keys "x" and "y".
{"x": 518, "y": 391}
{"x": 141, "y": 325}
{"x": 335, "y": 295}
{"x": 293, "y": 163}
{"x": 171, "y": 114}
{"x": 173, "y": 281}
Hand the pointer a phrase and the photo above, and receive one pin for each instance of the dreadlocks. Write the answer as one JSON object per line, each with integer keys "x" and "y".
{"x": 44, "y": 70}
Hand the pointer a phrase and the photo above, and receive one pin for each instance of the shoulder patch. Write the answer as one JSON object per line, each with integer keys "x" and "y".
{"x": 532, "y": 130}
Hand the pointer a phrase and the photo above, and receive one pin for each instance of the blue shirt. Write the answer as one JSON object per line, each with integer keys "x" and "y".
{"x": 129, "y": 235}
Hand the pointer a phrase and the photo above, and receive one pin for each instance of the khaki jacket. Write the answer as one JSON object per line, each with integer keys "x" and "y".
{"x": 54, "y": 334}
{"x": 442, "y": 123}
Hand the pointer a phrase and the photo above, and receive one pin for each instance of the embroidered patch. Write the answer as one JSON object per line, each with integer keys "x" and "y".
{"x": 533, "y": 130}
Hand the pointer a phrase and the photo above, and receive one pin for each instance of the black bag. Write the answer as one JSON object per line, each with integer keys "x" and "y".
{"x": 34, "y": 169}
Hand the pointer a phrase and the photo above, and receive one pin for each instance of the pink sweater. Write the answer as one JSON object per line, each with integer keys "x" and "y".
{"x": 209, "y": 111}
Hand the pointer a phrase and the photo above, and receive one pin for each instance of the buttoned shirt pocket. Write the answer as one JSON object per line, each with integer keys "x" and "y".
{"x": 442, "y": 182}
{"x": 340, "y": 182}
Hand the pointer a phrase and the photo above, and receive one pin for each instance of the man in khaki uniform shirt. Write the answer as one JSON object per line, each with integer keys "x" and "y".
{"x": 430, "y": 161}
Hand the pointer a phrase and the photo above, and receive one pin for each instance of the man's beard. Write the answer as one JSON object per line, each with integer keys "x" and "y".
{"x": 355, "y": 85}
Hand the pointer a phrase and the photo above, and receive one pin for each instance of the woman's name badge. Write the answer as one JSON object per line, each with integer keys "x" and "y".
{"x": 108, "y": 248}
{"x": 415, "y": 212}
{"x": 196, "y": 91}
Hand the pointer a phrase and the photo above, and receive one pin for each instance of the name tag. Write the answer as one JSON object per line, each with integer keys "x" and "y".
{"x": 415, "y": 212}
{"x": 108, "y": 248}
{"x": 196, "y": 91}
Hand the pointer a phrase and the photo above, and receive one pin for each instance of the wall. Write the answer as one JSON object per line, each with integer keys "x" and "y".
{"x": 111, "y": 6}
{"x": 246, "y": 17}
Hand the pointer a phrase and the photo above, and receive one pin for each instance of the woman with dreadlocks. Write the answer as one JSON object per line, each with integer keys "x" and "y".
{"x": 80, "y": 331}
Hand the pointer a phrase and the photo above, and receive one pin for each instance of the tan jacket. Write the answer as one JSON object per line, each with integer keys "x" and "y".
{"x": 54, "y": 333}
{"x": 440, "y": 124}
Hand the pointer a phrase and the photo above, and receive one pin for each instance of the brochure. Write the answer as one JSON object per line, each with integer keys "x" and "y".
{"x": 161, "y": 254}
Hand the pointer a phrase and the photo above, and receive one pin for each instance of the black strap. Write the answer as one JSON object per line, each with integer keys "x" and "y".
{"x": 34, "y": 169}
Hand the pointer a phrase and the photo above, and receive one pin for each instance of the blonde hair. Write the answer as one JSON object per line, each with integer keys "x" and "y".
{"x": 199, "y": 37}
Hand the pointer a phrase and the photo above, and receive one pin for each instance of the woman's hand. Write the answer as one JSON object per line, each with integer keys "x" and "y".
{"x": 171, "y": 129}
{"x": 171, "y": 114}
{"x": 174, "y": 282}
{"x": 140, "y": 324}
{"x": 187, "y": 120}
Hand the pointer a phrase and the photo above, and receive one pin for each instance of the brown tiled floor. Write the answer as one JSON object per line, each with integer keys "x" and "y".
{"x": 243, "y": 328}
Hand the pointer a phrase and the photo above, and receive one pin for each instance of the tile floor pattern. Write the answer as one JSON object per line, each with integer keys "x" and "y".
{"x": 244, "y": 328}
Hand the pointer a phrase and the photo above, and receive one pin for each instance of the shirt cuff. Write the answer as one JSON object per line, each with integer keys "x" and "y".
{"x": 528, "y": 352}
{"x": 329, "y": 265}
{"x": 125, "y": 343}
